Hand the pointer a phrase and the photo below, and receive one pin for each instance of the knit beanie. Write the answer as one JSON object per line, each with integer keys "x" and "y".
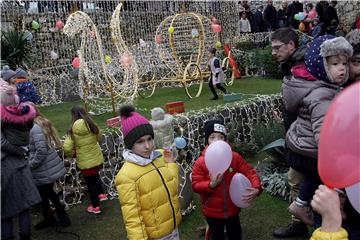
{"x": 21, "y": 73}
{"x": 321, "y": 48}
{"x": 133, "y": 125}
{"x": 7, "y": 73}
{"x": 214, "y": 126}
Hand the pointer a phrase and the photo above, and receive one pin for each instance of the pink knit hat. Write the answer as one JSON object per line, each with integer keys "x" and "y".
{"x": 133, "y": 125}
{"x": 8, "y": 94}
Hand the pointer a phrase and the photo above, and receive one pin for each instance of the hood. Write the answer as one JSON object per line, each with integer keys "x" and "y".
{"x": 130, "y": 156}
{"x": 80, "y": 128}
{"x": 321, "y": 48}
{"x": 163, "y": 122}
{"x": 295, "y": 89}
{"x": 18, "y": 114}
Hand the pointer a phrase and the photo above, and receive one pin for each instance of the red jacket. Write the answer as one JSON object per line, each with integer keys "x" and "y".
{"x": 216, "y": 203}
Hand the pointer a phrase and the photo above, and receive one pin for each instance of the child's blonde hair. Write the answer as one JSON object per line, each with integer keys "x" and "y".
{"x": 51, "y": 134}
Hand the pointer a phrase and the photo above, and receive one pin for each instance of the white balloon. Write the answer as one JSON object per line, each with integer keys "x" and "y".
{"x": 54, "y": 55}
{"x": 218, "y": 157}
{"x": 238, "y": 189}
{"x": 28, "y": 35}
{"x": 353, "y": 193}
{"x": 142, "y": 43}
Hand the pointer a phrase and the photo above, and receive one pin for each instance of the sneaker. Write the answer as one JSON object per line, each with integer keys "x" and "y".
{"x": 103, "y": 197}
{"x": 295, "y": 229}
{"x": 303, "y": 213}
{"x": 96, "y": 210}
{"x": 214, "y": 98}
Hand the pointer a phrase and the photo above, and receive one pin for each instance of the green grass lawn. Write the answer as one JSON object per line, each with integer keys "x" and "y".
{"x": 60, "y": 114}
{"x": 258, "y": 221}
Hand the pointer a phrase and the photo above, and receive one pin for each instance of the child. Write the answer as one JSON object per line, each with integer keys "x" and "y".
{"x": 82, "y": 142}
{"x": 244, "y": 24}
{"x": 18, "y": 192}
{"x": 318, "y": 29}
{"x": 46, "y": 168}
{"x": 8, "y": 75}
{"x": 216, "y": 205}
{"x": 217, "y": 75}
{"x": 309, "y": 93}
{"x": 26, "y": 89}
{"x": 147, "y": 183}
{"x": 163, "y": 128}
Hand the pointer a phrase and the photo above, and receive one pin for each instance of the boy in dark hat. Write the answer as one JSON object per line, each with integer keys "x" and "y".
{"x": 216, "y": 205}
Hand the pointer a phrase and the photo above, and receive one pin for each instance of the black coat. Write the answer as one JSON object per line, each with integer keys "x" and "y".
{"x": 294, "y": 8}
{"x": 270, "y": 17}
{"x": 257, "y": 22}
{"x": 18, "y": 191}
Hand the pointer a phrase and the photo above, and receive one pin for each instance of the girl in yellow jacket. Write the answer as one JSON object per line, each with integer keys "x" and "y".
{"x": 82, "y": 142}
{"x": 147, "y": 182}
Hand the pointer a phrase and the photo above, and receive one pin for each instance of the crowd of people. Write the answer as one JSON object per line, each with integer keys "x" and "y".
{"x": 147, "y": 183}
{"x": 315, "y": 20}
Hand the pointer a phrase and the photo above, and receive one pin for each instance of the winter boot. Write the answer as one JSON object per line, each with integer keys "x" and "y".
{"x": 63, "y": 217}
{"x": 49, "y": 220}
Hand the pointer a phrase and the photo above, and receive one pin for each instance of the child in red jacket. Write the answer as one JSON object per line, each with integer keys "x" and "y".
{"x": 216, "y": 204}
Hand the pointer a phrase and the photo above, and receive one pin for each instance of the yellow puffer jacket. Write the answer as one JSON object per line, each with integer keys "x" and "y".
{"x": 148, "y": 198}
{"x": 86, "y": 145}
{"x": 339, "y": 235}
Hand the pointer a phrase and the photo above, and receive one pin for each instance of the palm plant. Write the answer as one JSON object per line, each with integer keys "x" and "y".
{"x": 15, "y": 49}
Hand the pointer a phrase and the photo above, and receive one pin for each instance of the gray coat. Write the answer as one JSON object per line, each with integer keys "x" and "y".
{"x": 18, "y": 191}
{"x": 46, "y": 165}
{"x": 310, "y": 99}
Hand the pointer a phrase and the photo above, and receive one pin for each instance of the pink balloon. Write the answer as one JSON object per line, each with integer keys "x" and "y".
{"x": 158, "y": 39}
{"x": 238, "y": 189}
{"x": 59, "y": 24}
{"x": 216, "y": 27}
{"x": 339, "y": 146}
{"x": 312, "y": 14}
{"x": 218, "y": 157}
{"x": 126, "y": 60}
{"x": 353, "y": 194}
{"x": 76, "y": 63}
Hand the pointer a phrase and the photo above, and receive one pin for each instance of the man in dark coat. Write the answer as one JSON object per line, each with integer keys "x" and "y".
{"x": 330, "y": 18}
{"x": 285, "y": 48}
{"x": 270, "y": 17}
{"x": 257, "y": 21}
{"x": 294, "y": 8}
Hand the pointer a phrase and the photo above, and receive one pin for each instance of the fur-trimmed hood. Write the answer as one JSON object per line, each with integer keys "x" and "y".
{"x": 321, "y": 48}
{"x": 18, "y": 114}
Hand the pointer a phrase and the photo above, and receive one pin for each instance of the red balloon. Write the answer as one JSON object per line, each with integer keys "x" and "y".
{"x": 339, "y": 146}
{"x": 59, "y": 24}
{"x": 216, "y": 27}
{"x": 76, "y": 63}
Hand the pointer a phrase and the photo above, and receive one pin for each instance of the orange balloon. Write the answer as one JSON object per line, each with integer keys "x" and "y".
{"x": 302, "y": 27}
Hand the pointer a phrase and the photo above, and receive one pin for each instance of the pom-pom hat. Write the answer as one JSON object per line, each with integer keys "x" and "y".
{"x": 133, "y": 125}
